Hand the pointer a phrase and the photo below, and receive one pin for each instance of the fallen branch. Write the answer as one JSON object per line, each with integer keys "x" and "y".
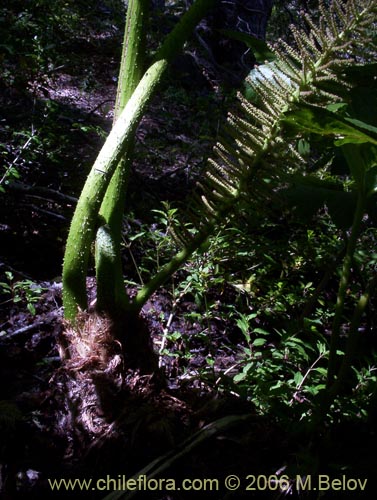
{"x": 40, "y": 191}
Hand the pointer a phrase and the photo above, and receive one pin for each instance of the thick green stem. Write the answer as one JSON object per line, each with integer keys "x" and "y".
{"x": 111, "y": 294}
{"x": 85, "y": 219}
{"x": 343, "y": 285}
{"x": 132, "y": 59}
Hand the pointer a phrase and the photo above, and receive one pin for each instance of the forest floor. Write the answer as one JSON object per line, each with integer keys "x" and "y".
{"x": 180, "y": 423}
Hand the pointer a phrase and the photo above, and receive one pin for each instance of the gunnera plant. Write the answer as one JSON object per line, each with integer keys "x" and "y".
{"x": 312, "y": 72}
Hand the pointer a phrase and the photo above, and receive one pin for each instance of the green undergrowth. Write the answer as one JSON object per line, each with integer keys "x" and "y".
{"x": 268, "y": 284}
{"x": 24, "y": 293}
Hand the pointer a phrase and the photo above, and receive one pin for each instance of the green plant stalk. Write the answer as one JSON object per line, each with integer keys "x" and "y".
{"x": 352, "y": 342}
{"x": 111, "y": 294}
{"x": 343, "y": 284}
{"x": 353, "y": 339}
{"x": 85, "y": 219}
{"x": 133, "y": 52}
{"x": 171, "y": 267}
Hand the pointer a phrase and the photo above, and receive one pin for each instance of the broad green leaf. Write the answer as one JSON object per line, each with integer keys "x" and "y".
{"x": 308, "y": 194}
{"x": 360, "y": 159}
{"x": 316, "y": 120}
{"x": 362, "y": 125}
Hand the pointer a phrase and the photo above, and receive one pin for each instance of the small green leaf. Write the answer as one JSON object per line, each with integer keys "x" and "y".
{"x": 322, "y": 371}
{"x": 336, "y": 106}
{"x": 261, "y": 331}
{"x": 239, "y": 377}
{"x": 314, "y": 390}
{"x": 259, "y": 342}
{"x": 298, "y": 378}
{"x": 210, "y": 361}
{"x": 31, "y": 309}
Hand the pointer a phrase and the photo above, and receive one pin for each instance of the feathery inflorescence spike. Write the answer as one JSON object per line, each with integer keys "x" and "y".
{"x": 252, "y": 141}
